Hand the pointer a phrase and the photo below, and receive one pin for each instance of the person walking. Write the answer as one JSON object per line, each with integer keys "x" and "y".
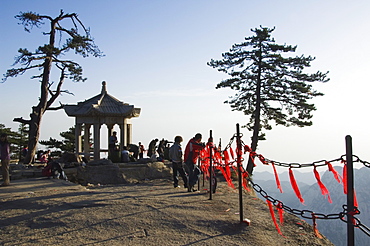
{"x": 5, "y": 158}
{"x": 191, "y": 155}
{"x": 175, "y": 154}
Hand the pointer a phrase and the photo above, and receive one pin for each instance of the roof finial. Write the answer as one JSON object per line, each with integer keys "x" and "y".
{"x": 104, "y": 87}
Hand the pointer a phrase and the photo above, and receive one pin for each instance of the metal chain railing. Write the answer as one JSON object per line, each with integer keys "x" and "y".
{"x": 307, "y": 214}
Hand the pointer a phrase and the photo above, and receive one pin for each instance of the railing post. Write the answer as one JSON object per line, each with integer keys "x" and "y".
{"x": 210, "y": 146}
{"x": 350, "y": 190}
{"x": 238, "y": 160}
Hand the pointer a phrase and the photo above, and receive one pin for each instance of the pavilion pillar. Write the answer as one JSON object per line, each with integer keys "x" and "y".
{"x": 110, "y": 131}
{"x": 129, "y": 132}
{"x": 87, "y": 141}
{"x": 97, "y": 141}
{"x": 78, "y": 140}
{"x": 123, "y": 129}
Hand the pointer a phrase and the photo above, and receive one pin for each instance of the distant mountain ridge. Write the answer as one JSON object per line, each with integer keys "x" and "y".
{"x": 303, "y": 177}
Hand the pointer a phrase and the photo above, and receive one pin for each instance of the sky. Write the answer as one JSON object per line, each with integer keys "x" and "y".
{"x": 156, "y": 54}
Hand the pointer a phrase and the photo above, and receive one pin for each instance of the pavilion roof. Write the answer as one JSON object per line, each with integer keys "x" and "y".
{"x": 103, "y": 104}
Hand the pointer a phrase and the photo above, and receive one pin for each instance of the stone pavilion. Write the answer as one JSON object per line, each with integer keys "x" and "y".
{"x": 96, "y": 111}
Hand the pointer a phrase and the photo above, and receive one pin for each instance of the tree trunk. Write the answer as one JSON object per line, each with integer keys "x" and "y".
{"x": 257, "y": 116}
{"x": 34, "y": 134}
{"x": 39, "y": 110}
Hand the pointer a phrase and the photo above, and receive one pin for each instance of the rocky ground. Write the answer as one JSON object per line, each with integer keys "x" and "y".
{"x": 40, "y": 211}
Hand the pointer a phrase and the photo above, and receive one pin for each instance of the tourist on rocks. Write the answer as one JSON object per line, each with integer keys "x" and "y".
{"x": 160, "y": 149}
{"x": 175, "y": 154}
{"x": 152, "y": 148}
{"x": 125, "y": 155}
{"x": 45, "y": 157}
{"x": 191, "y": 155}
{"x": 54, "y": 169}
{"x": 5, "y": 158}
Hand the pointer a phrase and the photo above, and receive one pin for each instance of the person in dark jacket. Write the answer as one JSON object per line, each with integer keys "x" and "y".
{"x": 152, "y": 147}
{"x": 175, "y": 154}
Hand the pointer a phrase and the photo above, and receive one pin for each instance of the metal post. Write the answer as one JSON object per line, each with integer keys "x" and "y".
{"x": 238, "y": 155}
{"x": 210, "y": 165}
{"x": 199, "y": 176}
{"x": 350, "y": 189}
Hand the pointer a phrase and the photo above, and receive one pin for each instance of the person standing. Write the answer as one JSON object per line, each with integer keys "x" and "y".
{"x": 191, "y": 155}
{"x": 5, "y": 158}
{"x": 112, "y": 142}
{"x": 175, "y": 154}
{"x": 141, "y": 150}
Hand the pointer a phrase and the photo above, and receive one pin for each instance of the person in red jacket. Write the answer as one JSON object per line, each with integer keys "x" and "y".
{"x": 191, "y": 155}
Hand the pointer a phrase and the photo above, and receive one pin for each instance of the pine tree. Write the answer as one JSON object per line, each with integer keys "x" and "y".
{"x": 270, "y": 87}
{"x": 67, "y": 144}
{"x": 51, "y": 55}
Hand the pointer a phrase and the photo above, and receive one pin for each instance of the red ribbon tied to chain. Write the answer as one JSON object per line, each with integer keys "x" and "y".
{"x": 262, "y": 159}
{"x": 317, "y": 233}
{"x": 280, "y": 209}
{"x": 345, "y": 177}
{"x": 273, "y": 217}
{"x": 295, "y": 186}
{"x": 345, "y": 184}
{"x": 227, "y": 157}
{"x": 277, "y": 178}
{"x": 232, "y": 153}
{"x": 335, "y": 173}
{"x": 247, "y": 149}
{"x": 324, "y": 190}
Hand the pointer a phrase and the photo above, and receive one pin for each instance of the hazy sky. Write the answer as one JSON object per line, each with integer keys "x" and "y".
{"x": 156, "y": 55}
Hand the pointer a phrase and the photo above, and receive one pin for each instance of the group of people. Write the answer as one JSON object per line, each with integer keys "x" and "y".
{"x": 184, "y": 164}
{"x": 159, "y": 152}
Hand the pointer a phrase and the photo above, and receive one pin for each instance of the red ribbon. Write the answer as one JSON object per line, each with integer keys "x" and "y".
{"x": 227, "y": 174}
{"x": 273, "y": 217}
{"x": 280, "y": 210}
{"x": 247, "y": 149}
{"x": 345, "y": 184}
{"x": 232, "y": 153}
{"x": 244, "y": 181}
{"x": 317, "y": 233}
{"x": 227, "y": 157}
{"x": 218, "y": 157}
{"x": 335, "y": 173}
{"x": 277, "y": 178}
{"x": 262, "y": 159}
{"x": 324, "y": 190}
{"x": 295, "y": 186}
{"x": 345, "y": 178}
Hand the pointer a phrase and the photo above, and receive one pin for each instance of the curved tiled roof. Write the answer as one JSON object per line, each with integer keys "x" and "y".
{"x": 102, "y": 105}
